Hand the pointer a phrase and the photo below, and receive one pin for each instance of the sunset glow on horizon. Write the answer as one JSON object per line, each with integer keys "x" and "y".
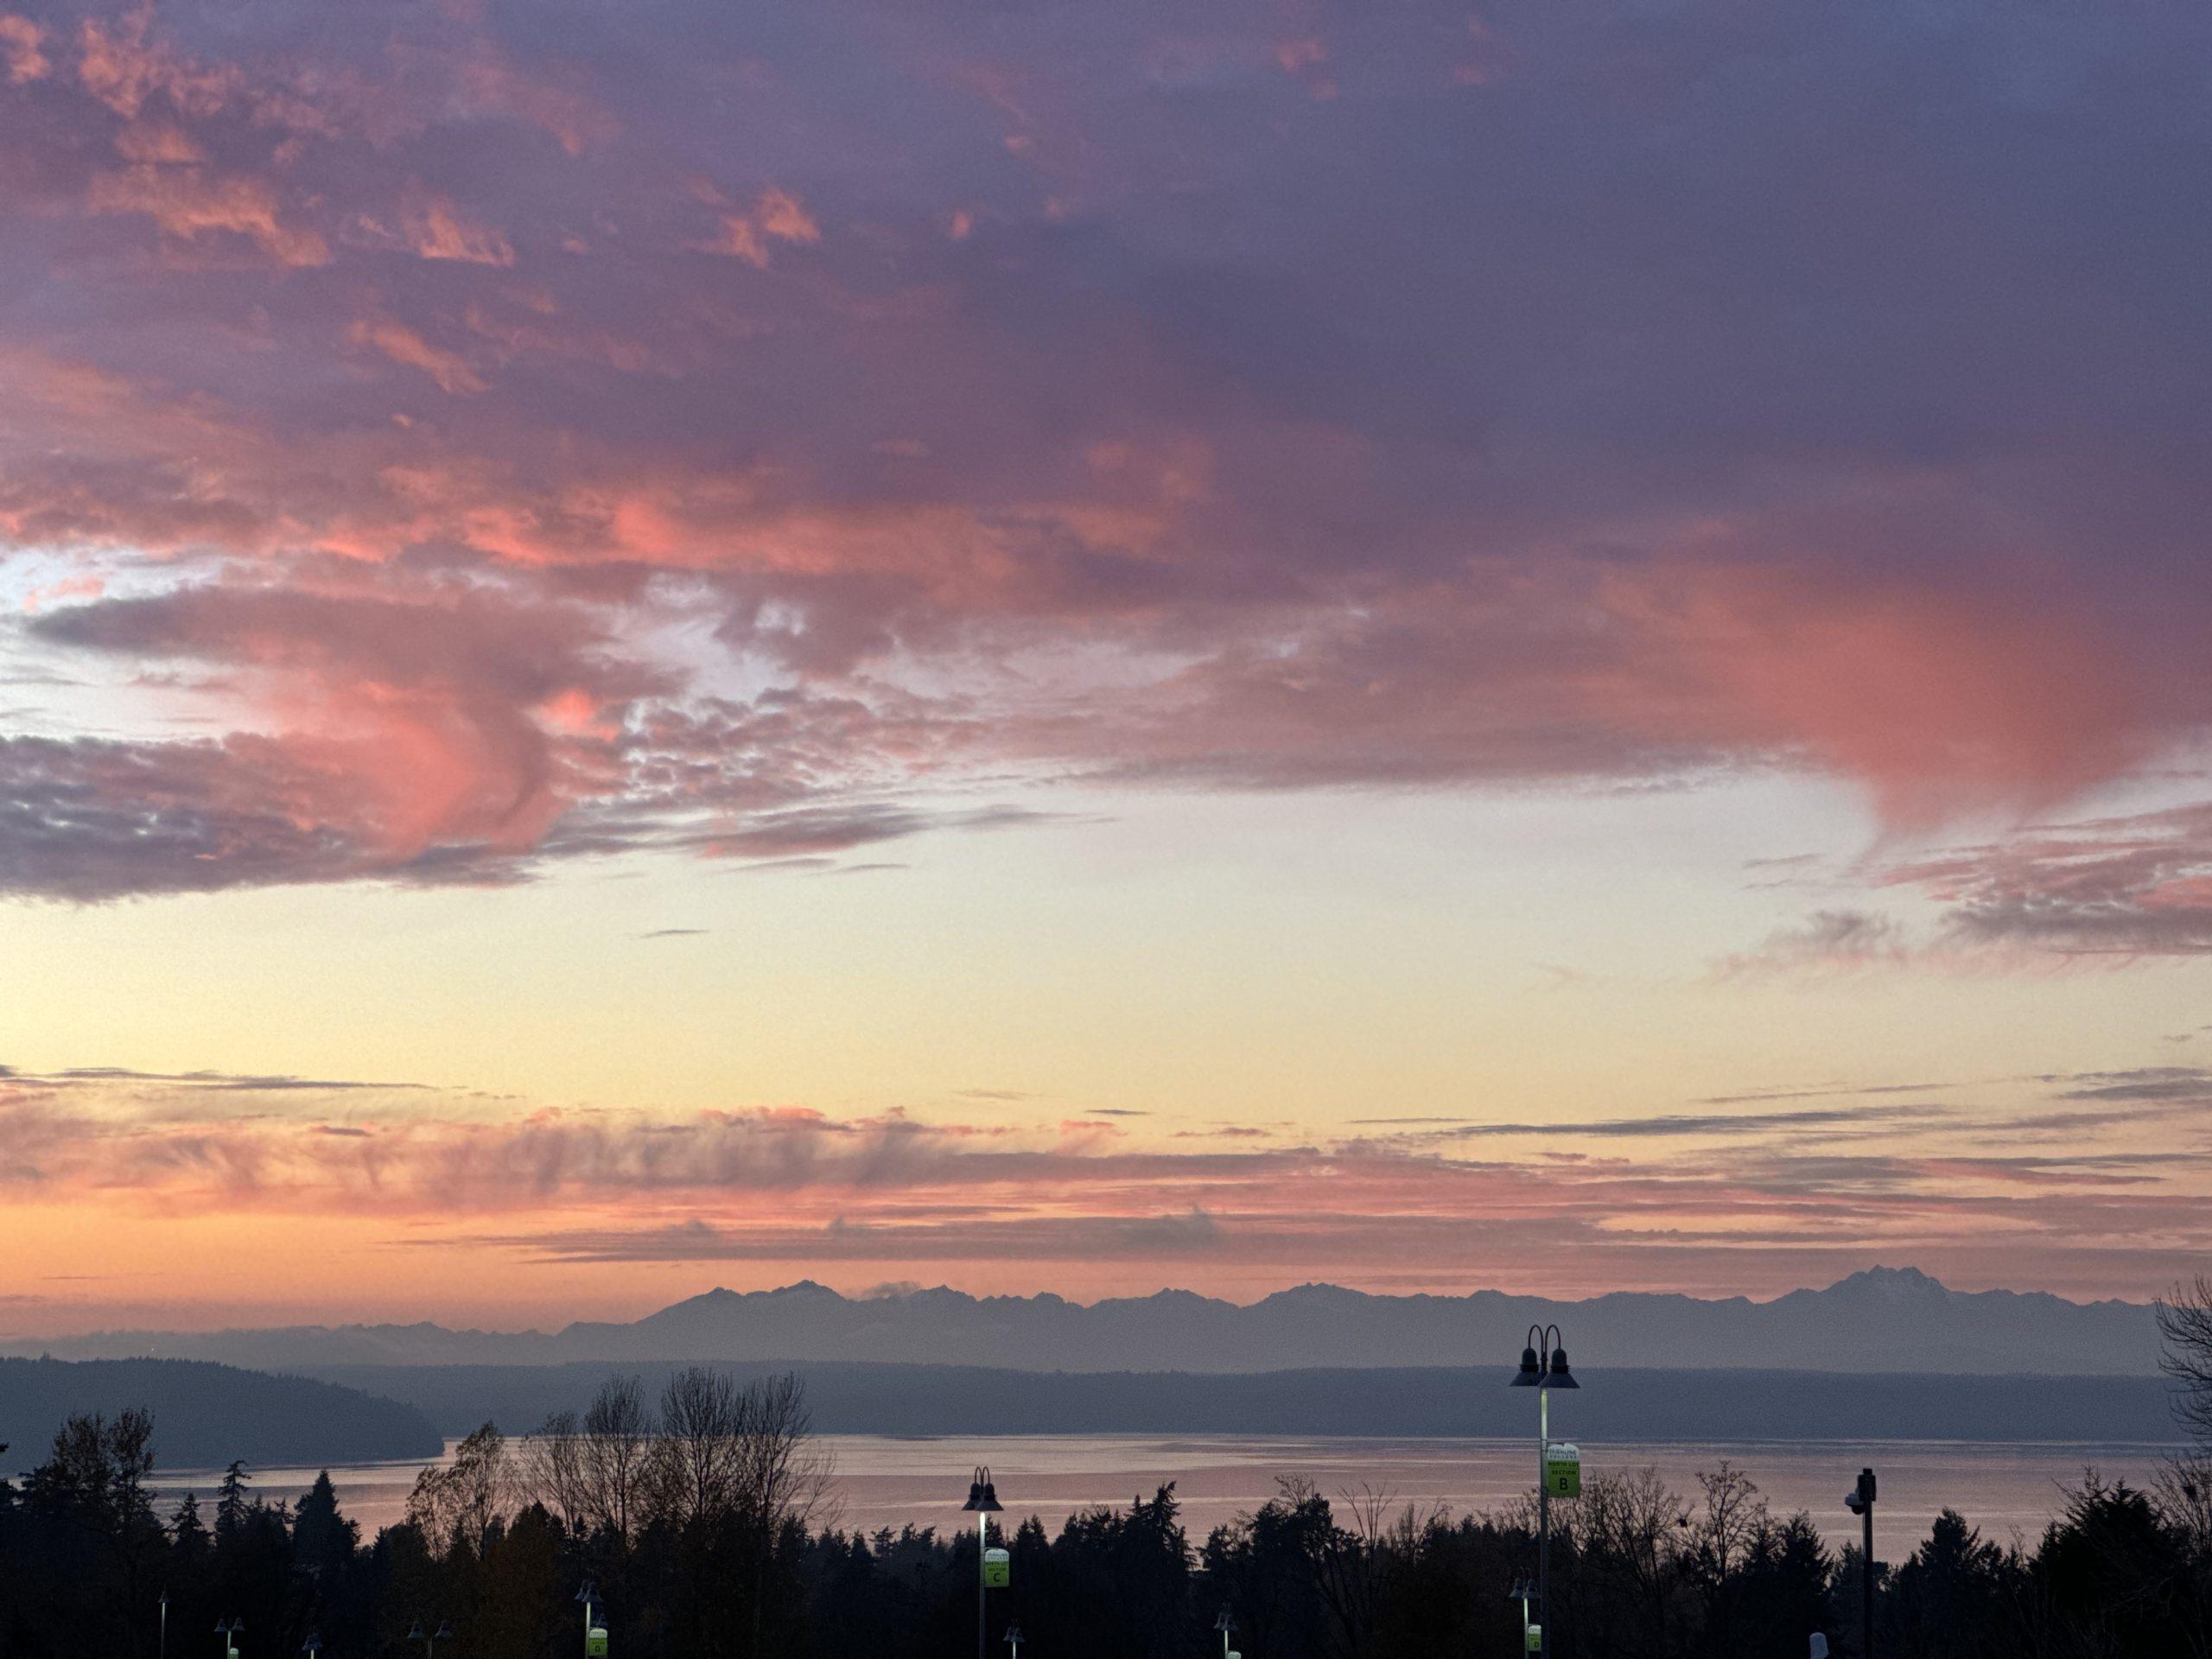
{"x": 1548, "y": 647}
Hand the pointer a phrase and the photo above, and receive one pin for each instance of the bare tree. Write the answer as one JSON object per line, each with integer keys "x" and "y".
{"x": 2185, "y": 1354}
{"x": 703, "y": 1446}
{"x": 468, "y": 1497}
{"x": 783, "y": 1475}
{"x": 611, "y": 1456}
{"x": 1633, "y": 1522}
{"x": 1721, "y": 1536}
{"x": 784, "y": 1472}
{"x": 549, "y": 1470}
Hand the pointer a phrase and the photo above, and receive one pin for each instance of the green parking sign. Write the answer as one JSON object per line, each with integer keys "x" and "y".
{"x": 1563, "y": 1469}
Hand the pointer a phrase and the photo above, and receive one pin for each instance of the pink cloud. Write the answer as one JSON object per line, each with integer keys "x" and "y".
{"x": 1182, "y": 460}
{"x": 22, "y": 50}
{"x": 1940, "y": 701}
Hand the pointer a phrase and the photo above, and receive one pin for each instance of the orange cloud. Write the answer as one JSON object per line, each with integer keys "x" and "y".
{"x": 436, "y": 229}
{"x": 776, "y": 213}
{"x": 187, "y": 202}
{"x": 124, "y": 69}
{"x": 404, "y": 346}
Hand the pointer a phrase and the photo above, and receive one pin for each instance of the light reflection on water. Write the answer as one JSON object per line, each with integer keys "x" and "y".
{"x": 881, "y": 1481}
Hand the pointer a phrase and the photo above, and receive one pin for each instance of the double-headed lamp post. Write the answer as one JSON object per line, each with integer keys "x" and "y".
{"x": 595, "y": 1631}
{"x": 228, "y": 1629}
{"x": 1543, "y": 1368}
{"x": 1524, "y": 1592}
{"x": 1013, "y": 1640}
{"x": 1226, "y": 1625}
{"x": 430, "y": 1639}
{"x": 982, "y": 1503}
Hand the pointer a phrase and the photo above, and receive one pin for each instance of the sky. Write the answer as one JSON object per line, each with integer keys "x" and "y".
{"x": 1556, "y": 646}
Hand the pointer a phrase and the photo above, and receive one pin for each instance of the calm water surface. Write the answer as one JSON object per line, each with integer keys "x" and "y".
{"x": 887, "y": 1482}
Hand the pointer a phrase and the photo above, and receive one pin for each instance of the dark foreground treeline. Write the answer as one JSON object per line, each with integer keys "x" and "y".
{"x": 708, "y": 1520}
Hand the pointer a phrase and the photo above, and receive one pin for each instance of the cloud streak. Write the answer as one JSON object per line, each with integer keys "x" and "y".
{"x": 793, "y": 1187}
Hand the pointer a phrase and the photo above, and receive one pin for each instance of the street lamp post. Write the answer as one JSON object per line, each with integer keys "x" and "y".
{"x": 430, "y": 1639}
{"x": 1859, "y": 1500}
{"x": 982, "y": 1503}
{"x": 228, "y": 1629}
{"x": 594, "y": 1633}
{"x": 1524, "y": 1592}
{"x": 312, "y": 1646}
{"x": 162, "y": 1650}
{"x": 1543, "y": 1368}
{"x": 1013, "y": 1640}
{"x": 1226, "y": 1625}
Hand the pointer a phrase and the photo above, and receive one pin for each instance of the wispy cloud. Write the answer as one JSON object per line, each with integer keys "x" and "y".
{"x": 2061, "y": 1188}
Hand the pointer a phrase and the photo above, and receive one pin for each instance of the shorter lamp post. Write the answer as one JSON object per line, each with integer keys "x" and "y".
{"x": 163, "y": 1649}
{"x": 1859, "y": 1500}
{"x": 594, "y": 1632}
{"x": 1013, "y": 1640}
{"x": 1524, "y": 1592}
{"x": 982, "y": 1503}
{"x": 312, "y": 1646}
{"x": 228, "y": 1629}
{"x": 1226, "y": 1625}
{"x": 430, "y": 1639}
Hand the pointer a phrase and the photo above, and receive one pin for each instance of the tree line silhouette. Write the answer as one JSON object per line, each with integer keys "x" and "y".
{"x": 707, "y": 1519}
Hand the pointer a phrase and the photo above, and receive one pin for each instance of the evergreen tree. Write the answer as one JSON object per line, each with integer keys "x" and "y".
{"x": 190, "y": 1533}
{"x": 232, "y": 1506}
{"x": 322, "y": 1537}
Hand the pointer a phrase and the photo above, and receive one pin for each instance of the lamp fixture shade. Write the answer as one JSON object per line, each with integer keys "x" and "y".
{"x": 1556, "y": 1374}
{"x": 1532, "y": 1370}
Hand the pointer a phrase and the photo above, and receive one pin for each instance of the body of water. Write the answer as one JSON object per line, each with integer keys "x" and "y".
{"x": 2002, "y": 1489}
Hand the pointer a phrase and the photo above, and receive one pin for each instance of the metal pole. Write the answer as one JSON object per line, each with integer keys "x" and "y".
{"x": 1866, "y": 1586}
{"x": 983, "y": 1543}
{"x": 1543, "y": 1524}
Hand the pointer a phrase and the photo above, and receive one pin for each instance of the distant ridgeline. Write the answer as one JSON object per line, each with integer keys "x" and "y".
{"x": 1882, "y": 1319}
{"x": 205, "y": 1414}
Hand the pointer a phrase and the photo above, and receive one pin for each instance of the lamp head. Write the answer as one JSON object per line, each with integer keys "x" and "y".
{"x": 313, "y": 1644}
{"x": 443, "y": 1633}
{"x": 1226, "y": 1623}
{"x": 1014, "y": 1637}
{"x": 982, "y": 1496}
{"x": 415, "y": 1632}
{"x": 588, "y": 1592}
{"x": 1532, "y": 1370}
{"x": 1556, "y": 1376}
